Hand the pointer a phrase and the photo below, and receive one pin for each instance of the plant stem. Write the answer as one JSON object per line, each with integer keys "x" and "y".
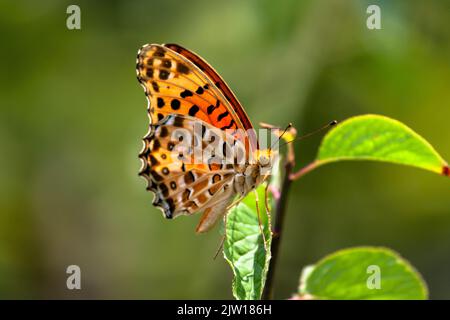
{"x": 280, "y": 210}
{"x": 280, "y": 213}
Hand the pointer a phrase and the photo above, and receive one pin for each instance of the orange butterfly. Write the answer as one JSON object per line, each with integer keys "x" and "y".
{"x": 184, "y": 92}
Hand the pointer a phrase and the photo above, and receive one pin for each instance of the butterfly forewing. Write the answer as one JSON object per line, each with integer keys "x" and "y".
{"x": 174, "y": 84}
{"x": 218, "y": 82}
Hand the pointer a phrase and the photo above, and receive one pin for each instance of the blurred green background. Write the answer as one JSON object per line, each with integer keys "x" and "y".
{"x": 73, "y": 114}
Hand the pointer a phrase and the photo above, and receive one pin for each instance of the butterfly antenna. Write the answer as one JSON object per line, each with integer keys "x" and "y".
{"x": 281, "y": 135}
{"x": 328, "y": 125}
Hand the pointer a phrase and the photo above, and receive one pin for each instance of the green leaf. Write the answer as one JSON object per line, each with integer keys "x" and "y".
{"x": 353, "y": 274}
{"x": 378, "y": 138}
{"x": 245, "y": 248}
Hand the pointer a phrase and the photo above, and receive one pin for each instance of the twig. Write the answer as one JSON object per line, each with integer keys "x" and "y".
{"x": 280, "y": 213}
{"x": 300, "y": 173}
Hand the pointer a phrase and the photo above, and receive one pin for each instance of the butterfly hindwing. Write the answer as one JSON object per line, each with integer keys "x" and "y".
{"x": 182, "y": 184}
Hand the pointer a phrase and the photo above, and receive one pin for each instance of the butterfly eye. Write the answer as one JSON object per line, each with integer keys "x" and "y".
{"x": 264, "y": 160}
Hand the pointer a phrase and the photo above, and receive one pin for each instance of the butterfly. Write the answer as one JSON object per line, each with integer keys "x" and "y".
{"x": 187, "y": 96}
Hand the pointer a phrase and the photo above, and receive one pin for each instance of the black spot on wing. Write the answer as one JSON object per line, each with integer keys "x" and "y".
{"x": 182, "y": 68}
{"x": 164, "y": 74}
{"x": 153, "y": 160}
{"x": 163, "y": 132}
{"x": 155, "y": 86}
{"x": 210, "y": 109}
{"x": 159, "y": 52}
{"x": 160, "y": 102}
{"x": 166, "y": 63}
{"x": 164, "y": 190}
{"x": 229, "y": 126}
{"x": 193, "y": 110}
{"x": 156, "y": 176}
{"x": 199, "y": 90}
{"x": 178, "y": 122}
{"x": 222, "y": 115}
{"x": 175, "y": 104}
{"x": 186, "y": 93}
{"x": 189, "y": 178}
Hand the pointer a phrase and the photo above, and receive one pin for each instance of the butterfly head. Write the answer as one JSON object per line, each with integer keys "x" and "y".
{"x": 264, "y": 162}
{"x": 264, "y": 158}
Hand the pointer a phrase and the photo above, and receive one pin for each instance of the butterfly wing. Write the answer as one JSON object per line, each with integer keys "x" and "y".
{"x": 218, "y": 82}
{"x": 183, "y": 89}
{"x": 183, "y": 184}
{"x": 176, "y": 80}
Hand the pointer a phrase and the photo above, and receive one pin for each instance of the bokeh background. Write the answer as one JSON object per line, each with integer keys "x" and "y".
{"x": 73, "y": 114}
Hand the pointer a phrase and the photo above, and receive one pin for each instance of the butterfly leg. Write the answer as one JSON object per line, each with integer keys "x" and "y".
{"x": 259, "y": 217}
{"x": 222, "y": 241}
{"x": 266, "y": 201}
{"x": 235, "y": 203}
{"x": 224, "y": 237}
